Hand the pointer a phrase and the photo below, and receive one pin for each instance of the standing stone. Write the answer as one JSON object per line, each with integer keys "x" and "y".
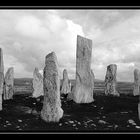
{"x": 139, "y": 110}
{"x": 65, "y": 89}
{"x": 93, "y": 77}
{"x": 37, "y": 83}
{"x": 136, "y": 90}
{"x": 1, "y": 77}
{"x": 51, "y": 111}
{"x": 83, "y": 90}
{"x": 70, "y": 86}
{"x": 71, "y": 94}
{"x": 110, "y": 80}
{"x": 9, "y": 84}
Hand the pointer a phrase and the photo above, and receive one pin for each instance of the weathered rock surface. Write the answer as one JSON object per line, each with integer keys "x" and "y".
{"x": 51, "y": 111}
{"x": 71, "y": 94}
{"x": 93, "y": 77}
{"x": 136, "y": 90}
{"x": 9, "y": 84}
{"x": 139, "y": 109}
{"x": 1, "y": 77}
{"x": 37, "y": 83}
{"x": 83, "y": 91}
{"x": 66, "y": 87}
{"x": 110, "y": 80}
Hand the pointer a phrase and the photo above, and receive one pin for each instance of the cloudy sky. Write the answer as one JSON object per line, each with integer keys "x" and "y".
{"x": 27, "y": 36}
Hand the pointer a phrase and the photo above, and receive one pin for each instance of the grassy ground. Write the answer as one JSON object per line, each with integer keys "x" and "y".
{"x": 105, "y": 114}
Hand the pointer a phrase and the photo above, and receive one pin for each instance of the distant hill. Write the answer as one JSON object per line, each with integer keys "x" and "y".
{"x": 25, "y": 85}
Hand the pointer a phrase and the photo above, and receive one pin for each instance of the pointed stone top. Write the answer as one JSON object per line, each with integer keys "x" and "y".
{"x": 65, "y": 74}
{"x": 65, "y": 70}
{"x": 136, "y": 70}
{"x": 51, "y": 56}
{"x": 112, "y": 66}
{"x": 36, "y": 69}
{"x": 37, "y": 73}
{"x": 11, "y": 68}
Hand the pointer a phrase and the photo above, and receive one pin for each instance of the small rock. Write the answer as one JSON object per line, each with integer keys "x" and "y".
{"x": 28, "y": 111}
{"x": 38, "y": 99}
{"x": 93, "y": 124}
{"x": 19, "y": 120}
{"x": 17, "y": 126}
{"x": 62, "y": 97}
{"x": 131, "y": 122}
{"x": 116, "y": 126}
{"x": 9, "y": 124}
{"x": 102, "y": 122}
{"x": 124, "y": 112}
{"x": 34, "y": 112}
{"x": 60, "y": 124}
{"x": 74, "y": 125}
{"x": 138, "y": 127}
{"x": 79, "y": 123}
{"x": 110, "y": 126}
{"x": 71, "y": 122}
{"x": 89, "y": 121}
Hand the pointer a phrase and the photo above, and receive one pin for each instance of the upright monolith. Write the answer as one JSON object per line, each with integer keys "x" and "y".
{"x": 136, "y": 89}
{"x": 1, "y": 77}
{"x": 83, "y": 90}
{"x": 139, "y": 109}
{"x": 66, "y": 88}
{"x": 110, "y": 80}
{"x": 37, "y": 83}
{"x": 93, "y": 77}
{"x": 9, "y": 84}
{"x": 51, "y": 111}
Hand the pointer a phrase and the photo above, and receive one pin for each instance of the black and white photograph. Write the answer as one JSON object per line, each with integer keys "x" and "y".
{"x": 69, "y": 70}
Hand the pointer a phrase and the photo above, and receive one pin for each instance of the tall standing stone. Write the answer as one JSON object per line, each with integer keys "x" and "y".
{"x": 110, "y": 80}
{"x": 51, "y": 111}
{"x": 83, "y": 90}
{"x": 9, "y": 84}
{"x": 37, "y": 83}
{"x": 93, "y": 76}
{"x": 1, "y": 77}
{"x": 65, "y": 89}
{"x": 139, "y": 110}
{"x": 136, "y": 90}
